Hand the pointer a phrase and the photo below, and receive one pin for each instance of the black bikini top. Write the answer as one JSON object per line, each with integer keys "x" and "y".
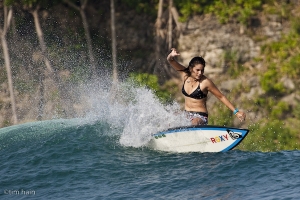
{"x": 197, "y": 94}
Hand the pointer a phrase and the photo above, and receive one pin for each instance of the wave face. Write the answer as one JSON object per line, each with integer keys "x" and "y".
{"x": 103, "y": 155}
{"x": 72, "y": 159}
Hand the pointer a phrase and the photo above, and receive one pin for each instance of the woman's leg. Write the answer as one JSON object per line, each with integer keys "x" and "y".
{"x": 198, "y": 121}
{"x": 197, "y": 118}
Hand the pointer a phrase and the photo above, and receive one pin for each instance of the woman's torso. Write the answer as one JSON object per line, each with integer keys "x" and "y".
{"x": 195, "y": 94}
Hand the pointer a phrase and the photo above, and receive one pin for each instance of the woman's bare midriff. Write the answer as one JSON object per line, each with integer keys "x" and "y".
{"x": 196, "y": 105}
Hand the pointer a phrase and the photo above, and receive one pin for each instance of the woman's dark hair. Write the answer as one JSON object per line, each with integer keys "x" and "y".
{"x": 195, "y": 61}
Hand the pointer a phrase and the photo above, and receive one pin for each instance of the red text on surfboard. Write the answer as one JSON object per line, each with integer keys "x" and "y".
{"x": 221, "y": 138}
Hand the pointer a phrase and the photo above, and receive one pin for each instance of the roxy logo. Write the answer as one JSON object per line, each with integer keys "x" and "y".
{"x": 223, "y": 138}
{"x": 234, "y": 135}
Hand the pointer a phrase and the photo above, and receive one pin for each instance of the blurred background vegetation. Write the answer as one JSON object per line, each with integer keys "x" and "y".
{"x": 279, "y": 124}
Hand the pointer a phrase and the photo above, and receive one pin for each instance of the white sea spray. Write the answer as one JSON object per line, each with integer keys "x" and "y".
{"x": 136, "y": 111}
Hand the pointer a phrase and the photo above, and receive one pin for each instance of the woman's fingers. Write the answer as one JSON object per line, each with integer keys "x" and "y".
{"x": 241, "y": 116}
{"x": 175, "y": 51}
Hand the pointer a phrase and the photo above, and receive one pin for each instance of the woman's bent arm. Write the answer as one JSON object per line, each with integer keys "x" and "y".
{"x": 171, "y": 59}
{"x": 215, "y": 91}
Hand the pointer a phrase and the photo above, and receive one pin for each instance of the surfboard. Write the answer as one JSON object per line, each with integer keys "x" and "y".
{"x": 206, "y": 138}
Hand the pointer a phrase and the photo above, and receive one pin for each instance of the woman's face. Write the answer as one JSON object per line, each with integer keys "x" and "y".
{"x": 197, "y": 71}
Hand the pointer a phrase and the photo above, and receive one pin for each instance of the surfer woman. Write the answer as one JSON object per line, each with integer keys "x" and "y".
{"x": 195, "y": 88}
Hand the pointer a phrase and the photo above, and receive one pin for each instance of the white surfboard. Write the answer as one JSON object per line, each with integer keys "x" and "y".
{"x": 198, "y": 139}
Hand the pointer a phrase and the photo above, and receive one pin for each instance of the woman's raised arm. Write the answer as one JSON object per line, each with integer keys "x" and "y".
{"x": 171, "y": 59}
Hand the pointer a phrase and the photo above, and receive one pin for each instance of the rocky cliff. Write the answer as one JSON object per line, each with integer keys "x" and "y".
{"x": 199, "y": 36}
{"x": 205, "y": 36}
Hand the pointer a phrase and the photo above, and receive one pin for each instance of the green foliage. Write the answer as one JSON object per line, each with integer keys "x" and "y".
{"x": 33, "y": 3}
{"x": 241, "y": 10}
{"x": 144, "y": 79}
{"x": 265, "y": 102}
{"x": 271, "y": 135}
{"x": 291, "y": 68}
{"x": 78, "y": 74}
{"x": 54, "y": 95}
{"x": 6, "y": 123}
{"x": 151, "y": 81}
{"x": 1, "y": 104}
{"x": 296, "y": 111}
{"x": 142, "y": 6}
{"x": 232, "y": 60}
{"x": 225, "y": 10}
{"x": 59, "y": 111}
{"x": 296, "y": 25}
{"x": 270, "y": 82}
{"x": 279, "y": 110}
{"x": 281, "y": 50}
{"x": 8, "y": 2}
{"x": 279, "y": 8}
{"x": 24, "y": 87}
{"x": 283, "y": 60}
{"x": 224, "y": 116}
{"x": 3, "y": 75}
{"x": 191, "y": 7}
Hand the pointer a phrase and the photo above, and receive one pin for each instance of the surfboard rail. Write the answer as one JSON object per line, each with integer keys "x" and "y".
{"x": 201, "y": 138}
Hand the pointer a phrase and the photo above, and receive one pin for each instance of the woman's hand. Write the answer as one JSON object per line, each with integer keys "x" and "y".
{"x": 172, "y": 54}
{"x": 177, "y": 66}
{"x": 241, "y": 116}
